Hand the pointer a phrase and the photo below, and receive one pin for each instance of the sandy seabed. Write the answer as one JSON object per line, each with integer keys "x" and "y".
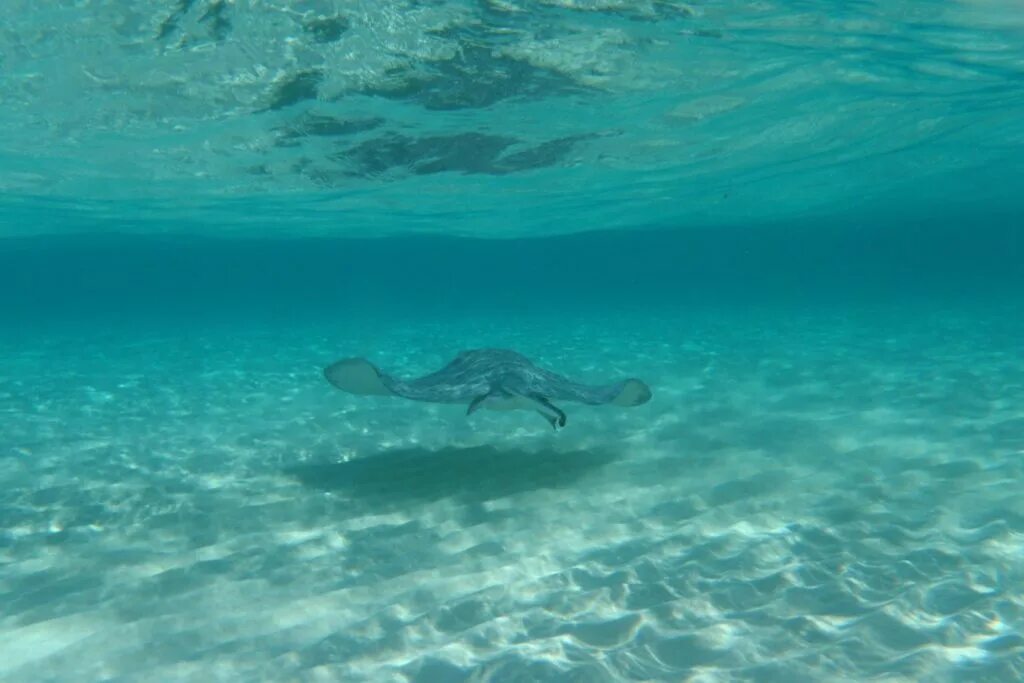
{"x": 808, "y": 497}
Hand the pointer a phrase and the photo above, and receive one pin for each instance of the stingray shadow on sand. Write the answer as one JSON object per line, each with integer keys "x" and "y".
{"x": 468, "y": 475}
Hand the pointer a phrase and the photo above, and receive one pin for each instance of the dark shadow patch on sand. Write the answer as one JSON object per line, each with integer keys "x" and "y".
{"x": 469, "y": 475}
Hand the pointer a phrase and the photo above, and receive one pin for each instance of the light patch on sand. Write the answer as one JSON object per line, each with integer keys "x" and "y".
{"x": 964, "y": 655}
{"x": 20, "y": 647}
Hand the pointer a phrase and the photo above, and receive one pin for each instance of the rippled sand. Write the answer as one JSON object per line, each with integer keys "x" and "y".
{"x": 808, "y": 497}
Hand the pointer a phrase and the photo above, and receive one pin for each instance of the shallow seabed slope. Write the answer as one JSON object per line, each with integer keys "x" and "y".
{"x": 808, "y": 497}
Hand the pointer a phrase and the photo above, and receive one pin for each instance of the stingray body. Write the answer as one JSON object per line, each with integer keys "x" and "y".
{"x": 494, "y": 379}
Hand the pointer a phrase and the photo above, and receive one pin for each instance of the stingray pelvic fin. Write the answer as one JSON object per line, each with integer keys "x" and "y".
{"x": 476, "y": 403}
{"x": 552, "y": 413}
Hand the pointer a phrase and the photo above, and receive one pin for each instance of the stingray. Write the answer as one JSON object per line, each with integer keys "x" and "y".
{"x": 493, "y": 379}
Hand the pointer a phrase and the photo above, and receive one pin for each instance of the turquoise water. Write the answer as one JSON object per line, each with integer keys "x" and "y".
{"x": 800, "y": 223}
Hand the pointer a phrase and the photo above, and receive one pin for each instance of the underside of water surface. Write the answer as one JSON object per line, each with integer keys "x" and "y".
{"x": 501, "y": 118}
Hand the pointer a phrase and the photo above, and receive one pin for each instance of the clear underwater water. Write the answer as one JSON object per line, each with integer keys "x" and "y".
{"x": 800, "y": 223}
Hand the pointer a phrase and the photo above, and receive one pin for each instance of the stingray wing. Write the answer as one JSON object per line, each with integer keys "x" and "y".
{"x": 627, "y": 393}
{"x": 631, "y": 392}
{"x": 449, "y": 385}
{"x": 359, "y": 376}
